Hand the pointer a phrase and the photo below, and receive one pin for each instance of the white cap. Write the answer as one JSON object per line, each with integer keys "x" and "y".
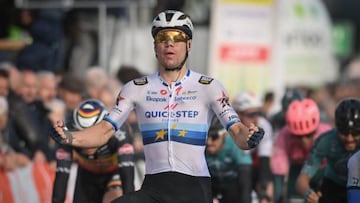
{"x": 246, "y": 100}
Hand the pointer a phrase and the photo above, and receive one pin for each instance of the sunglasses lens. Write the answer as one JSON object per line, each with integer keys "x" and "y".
{"x": 170, "y": 35}
{"x": 213, "y": 136}
{"x": 347, "y": 132}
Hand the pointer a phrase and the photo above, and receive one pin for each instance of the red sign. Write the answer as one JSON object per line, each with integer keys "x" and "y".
{"x": 243, "y": 53}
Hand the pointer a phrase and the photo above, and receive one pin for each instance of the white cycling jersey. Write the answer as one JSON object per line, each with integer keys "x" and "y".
{"x": 174, "y": 119}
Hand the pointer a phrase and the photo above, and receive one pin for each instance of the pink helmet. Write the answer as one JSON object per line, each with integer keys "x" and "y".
{"x": 303, "y": 117}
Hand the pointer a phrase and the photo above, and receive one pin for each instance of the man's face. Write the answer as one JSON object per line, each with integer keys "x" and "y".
{"x": 350, "y": 140}
{"x": 305, "y": 140}
{"x": 170, "y": 47}
{"x": 250, "y": 115}
{"x": 4, "y": 87}
{"x": 215, "y": 143}
{"x": 29, "y": 88}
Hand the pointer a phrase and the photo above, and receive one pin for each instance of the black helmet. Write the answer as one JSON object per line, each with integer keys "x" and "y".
{"x": 289, "y": 96}
{"x": 215, "y": 128}
{"x": 347, "y": 116}
{"x": 172, "y": 19}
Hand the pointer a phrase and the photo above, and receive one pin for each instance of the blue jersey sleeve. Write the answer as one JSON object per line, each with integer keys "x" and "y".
{"x": 353, "y": 195}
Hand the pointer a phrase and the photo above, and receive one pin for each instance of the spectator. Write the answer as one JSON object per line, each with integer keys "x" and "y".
{"x": 127, "y": 73}
{"x": 46, "y": 50}
{"x": 72, "y": 91}
{"x": 230, "y": 167}
{"x": 248, "y": 106}
{"x": 96, "y": 79}
{"x": 47, "y": 87}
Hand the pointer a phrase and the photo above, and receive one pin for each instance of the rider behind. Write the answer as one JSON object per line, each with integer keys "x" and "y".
{"x": 103, "y": 173}
{"x": 336, "y": 146}
{"x": 293, "y": 145}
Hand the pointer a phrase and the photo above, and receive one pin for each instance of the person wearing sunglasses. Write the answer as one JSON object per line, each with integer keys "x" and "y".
{"x": 336, "y": 146}
{"x": 230, "y": 167}
{"x": 248, "y": 106}
{"x": 174, "y": 108}
{"x": 293, "y": 145}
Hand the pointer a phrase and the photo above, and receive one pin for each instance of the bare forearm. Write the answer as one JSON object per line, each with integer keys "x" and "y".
{"x": 302, "y": 184}
{"x": 94, "y": 136}
{"x": 240, "y": 133}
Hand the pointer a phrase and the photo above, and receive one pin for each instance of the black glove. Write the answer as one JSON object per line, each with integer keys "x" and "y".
{"x": 256, "y": 137}
{"x": 56, "y": 136}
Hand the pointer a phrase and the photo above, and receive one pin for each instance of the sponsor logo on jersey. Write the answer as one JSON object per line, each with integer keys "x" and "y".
{"x": 126, "y": 149}
{"x": 152, "y": 92}
{"x": 184, "y": 98}
{"x": 140, "y": 81}
{"x": 156, "y": 99}
{"x": 223, "y": 100}
{"x": 205, "y": 80}
{"x": 188, "y": 92}
{"x": 61, "y": 154}
{"x": 163, "y": 92}
{"x": 175, "y": 114}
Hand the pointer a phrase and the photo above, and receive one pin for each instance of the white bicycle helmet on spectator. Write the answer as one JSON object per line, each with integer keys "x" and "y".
{"x": 246, "y": 100}
{"x": 172, "y": 19}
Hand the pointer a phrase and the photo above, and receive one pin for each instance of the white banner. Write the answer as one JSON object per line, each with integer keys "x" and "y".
{"x": 303, "y": 53}
{"x": 240, "y": 44}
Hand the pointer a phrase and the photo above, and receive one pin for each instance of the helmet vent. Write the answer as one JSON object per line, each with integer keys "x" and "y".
{"x": 169, "y": 16}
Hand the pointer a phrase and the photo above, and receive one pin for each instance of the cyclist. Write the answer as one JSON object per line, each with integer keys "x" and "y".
{"x": 336, "y": 146}
{"x": 248, "y": 106}
{"x": 230, "y": 167}
{"x": 174, "y": 108}
{"x": 293, "y": 145}
{"x": 353, "y": 181}
{"x": 103, "y": 173}
{"x": 278, "y": 120}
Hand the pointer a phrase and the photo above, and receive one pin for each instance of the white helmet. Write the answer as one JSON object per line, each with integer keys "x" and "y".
{"x": 246, "y": 100}
{"x": 88, "y": 113}
{"x": 172, "y": 19}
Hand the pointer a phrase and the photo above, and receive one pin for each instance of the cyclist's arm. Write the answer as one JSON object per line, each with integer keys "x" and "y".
{"x": 126, "y": 167}
{"x": 63, "y": 168}
{"x": 309, "y": 169}
{"x": 94, "y": 136}
{"x": 239, "y": 132}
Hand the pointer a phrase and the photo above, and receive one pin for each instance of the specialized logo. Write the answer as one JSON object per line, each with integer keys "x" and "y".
{"x": 140, "y": 81}
{"x": 205, "y": 80}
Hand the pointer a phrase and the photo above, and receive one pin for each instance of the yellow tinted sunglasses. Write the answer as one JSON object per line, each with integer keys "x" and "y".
{"x": 170, "y": 35}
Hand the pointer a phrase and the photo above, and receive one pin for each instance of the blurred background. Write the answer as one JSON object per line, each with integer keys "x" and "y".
{"x": 263, "y": 45}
